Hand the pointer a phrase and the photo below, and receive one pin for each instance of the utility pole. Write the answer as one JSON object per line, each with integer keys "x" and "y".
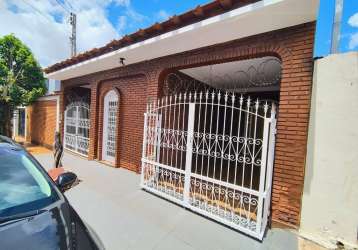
{"x": 73, "y": 35}
{"x": 336, "y": 26}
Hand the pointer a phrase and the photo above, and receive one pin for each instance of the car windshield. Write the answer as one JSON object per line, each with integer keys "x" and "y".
{"x": 23, "y": 186}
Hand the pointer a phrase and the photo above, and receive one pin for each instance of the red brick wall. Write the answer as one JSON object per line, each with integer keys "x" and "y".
{"x": 43, "y": 122}
{"x": 138, "y": 82}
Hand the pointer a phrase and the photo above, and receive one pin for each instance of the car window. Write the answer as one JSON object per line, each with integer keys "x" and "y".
{"x": 23, "y": 187}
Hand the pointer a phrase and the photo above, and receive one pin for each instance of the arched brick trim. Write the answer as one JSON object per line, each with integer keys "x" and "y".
{"x": 229, "y": 52}
{"x": 226, "y": 52}
{"x": 240, "y": 53}
{"x": 162, "y": 74}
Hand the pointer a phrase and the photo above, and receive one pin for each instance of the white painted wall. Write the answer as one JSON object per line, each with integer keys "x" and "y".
{"x": 330, "y": 198}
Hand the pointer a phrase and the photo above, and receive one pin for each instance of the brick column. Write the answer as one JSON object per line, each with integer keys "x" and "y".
{"x": 93, "y": 135}
{"x": 292, "y": 128}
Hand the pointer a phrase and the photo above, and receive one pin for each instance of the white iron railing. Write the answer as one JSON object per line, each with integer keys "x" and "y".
{"x": 77, "y": 125}
{"x": 212, "y": 153}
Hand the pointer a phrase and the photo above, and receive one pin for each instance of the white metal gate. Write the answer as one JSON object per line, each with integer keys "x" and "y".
{"x": 212, "y": 153}
{"x": 109, "y": 126}
{"x": 77, "y": 124}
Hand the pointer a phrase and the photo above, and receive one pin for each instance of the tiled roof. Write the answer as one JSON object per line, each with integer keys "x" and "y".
{"x": 197, "y": 14}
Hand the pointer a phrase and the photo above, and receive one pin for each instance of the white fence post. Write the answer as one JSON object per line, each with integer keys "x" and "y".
{"x": 270, "y": 162}
{"x": 263, "y": 167}
{"x": 15, "y": 123}
{"x": 64, "y": 129}
{"x": 158, "y": 137}
{"x": 144, "y": 149}
{"x": 189, "y": 152}
{"x": 76, "y": 147}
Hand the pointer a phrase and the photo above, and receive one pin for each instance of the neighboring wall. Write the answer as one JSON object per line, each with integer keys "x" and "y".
{"x": 43, "y": 121}
{"x": 330, "y": 198}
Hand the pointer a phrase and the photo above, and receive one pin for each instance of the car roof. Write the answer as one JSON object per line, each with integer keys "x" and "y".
{"x": 4, "y": 139}
{"x": 6, "y": 142}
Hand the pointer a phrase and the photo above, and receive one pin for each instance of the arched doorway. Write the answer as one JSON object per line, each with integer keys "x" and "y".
{"x": 110, "y": 110}
{"x": 77, "y": 119}
{"x": 77, "y": 124}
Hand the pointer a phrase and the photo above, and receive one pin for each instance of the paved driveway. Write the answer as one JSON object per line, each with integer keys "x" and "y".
{"x": 126, "y": 217}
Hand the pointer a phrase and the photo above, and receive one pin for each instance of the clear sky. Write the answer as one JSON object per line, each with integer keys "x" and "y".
{"x": 349, "y": 27}
{"x": 43, "y": 24}
{"x": 147, "y": 12}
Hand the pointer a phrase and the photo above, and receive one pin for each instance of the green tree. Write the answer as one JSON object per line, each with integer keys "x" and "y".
{"x": 21, "y": 79}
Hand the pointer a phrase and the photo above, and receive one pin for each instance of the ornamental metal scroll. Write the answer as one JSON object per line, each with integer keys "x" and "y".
{"x": 175, "y": 83}
{"x": 73, "y": 97}
{"x": 213, "y": 153}
{"x": 264, "y": 75}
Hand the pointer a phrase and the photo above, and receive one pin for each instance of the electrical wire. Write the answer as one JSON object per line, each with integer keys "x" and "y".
{"x": 38, "y": 11}
{"x": 69, "y": 4}
{"x": 63, "y": 6}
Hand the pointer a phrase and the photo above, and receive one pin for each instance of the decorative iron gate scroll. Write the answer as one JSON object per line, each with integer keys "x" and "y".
{"x": 77, "y": 124}
{"x": 212, "y": 153}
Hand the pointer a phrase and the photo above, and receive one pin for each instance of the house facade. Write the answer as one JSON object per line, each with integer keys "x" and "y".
{"x": 211, "y": 107}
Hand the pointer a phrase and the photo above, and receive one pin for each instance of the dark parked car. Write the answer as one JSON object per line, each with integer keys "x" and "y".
{"x": 34, "y": 214}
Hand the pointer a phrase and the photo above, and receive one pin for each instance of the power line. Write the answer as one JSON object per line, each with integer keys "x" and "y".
{"x": 73, "y": 22}
{"x": 63, "y": 6}
{"x": 69, "y": 4}
{"x": 66, "y": 5}
{"x": 38, "y": 11}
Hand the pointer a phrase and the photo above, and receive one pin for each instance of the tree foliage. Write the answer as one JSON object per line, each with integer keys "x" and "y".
{"x": 21, "y": 78}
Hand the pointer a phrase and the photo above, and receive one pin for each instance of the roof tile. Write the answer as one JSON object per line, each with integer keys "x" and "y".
{"x": 175, "y": 22}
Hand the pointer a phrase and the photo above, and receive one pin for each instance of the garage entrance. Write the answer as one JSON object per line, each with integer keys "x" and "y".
{"x": 213, "y": 153}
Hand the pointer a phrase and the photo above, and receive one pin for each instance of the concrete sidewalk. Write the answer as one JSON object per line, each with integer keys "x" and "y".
{"x": 126, "y": 217}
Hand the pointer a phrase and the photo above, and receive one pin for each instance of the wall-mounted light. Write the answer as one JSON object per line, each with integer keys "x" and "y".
{"x": 121, "y": 61}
